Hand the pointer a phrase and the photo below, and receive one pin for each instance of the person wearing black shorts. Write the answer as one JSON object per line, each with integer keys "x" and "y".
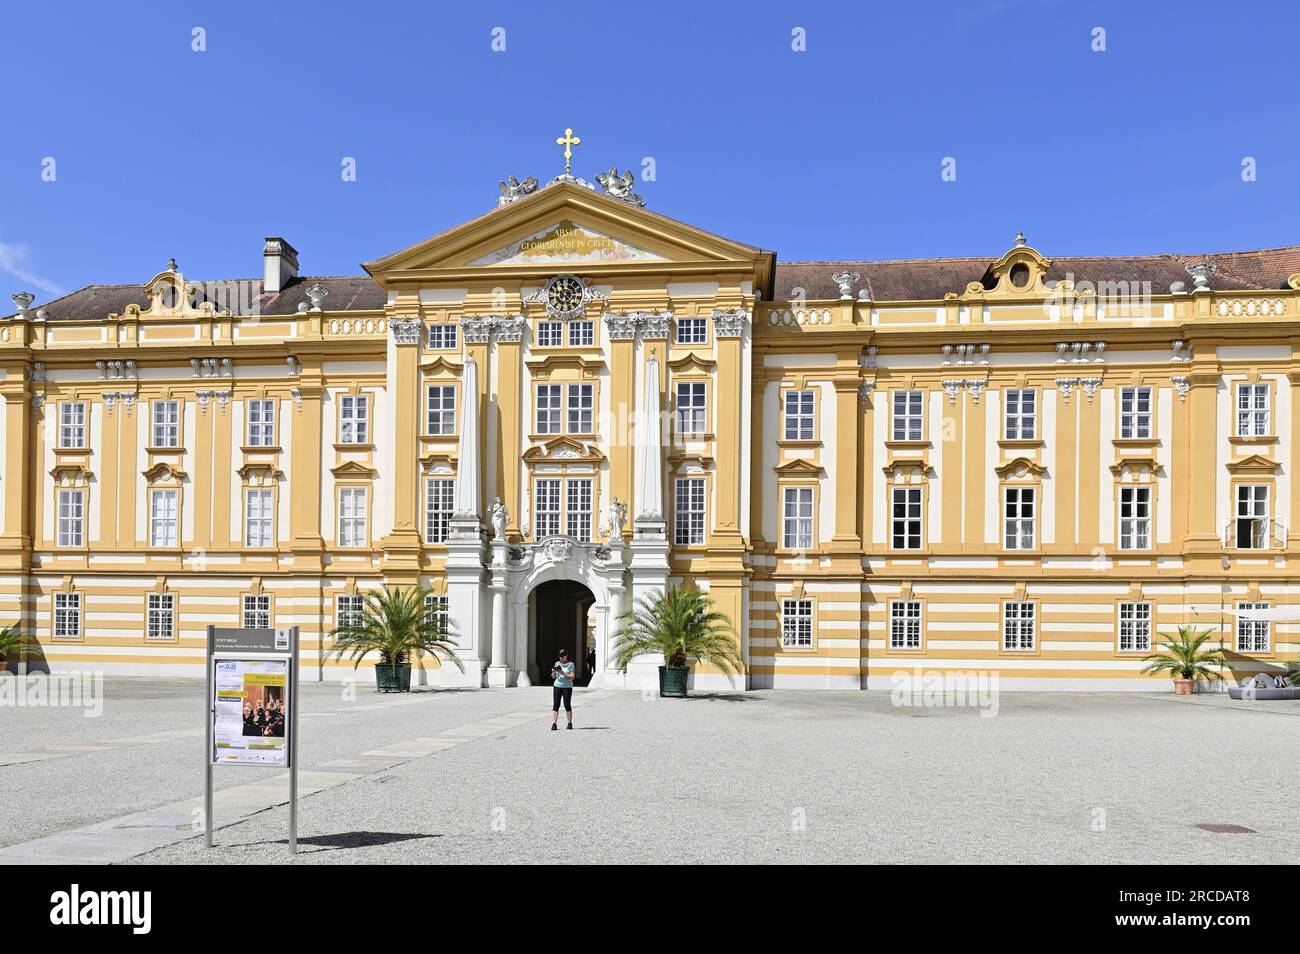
{"x": 562, "y": 690}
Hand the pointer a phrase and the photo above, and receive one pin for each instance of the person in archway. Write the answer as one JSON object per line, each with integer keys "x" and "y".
{"x": 591, "y": 664}
{"x": 562, "y": 674}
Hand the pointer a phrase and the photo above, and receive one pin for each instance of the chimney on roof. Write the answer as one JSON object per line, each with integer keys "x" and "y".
{"x": 281, "y": 261}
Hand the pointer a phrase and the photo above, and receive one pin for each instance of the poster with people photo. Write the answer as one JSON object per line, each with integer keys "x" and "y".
{"x": 251, "y": 711}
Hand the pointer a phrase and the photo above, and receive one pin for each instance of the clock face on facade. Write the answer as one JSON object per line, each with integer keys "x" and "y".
{"x": 564, "y": 296}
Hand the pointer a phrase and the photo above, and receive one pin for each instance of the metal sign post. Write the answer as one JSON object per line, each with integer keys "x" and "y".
{"x": 245, "y": 667}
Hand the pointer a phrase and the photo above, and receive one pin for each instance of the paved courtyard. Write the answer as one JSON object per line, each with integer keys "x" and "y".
{"x": 475, "y": 776}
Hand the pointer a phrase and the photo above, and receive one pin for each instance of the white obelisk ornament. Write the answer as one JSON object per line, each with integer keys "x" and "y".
{"x": 651, "y": 504}
{"x": 467, "y": 502}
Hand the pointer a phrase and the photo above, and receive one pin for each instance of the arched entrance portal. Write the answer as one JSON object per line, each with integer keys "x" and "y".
{"x": 559, "y": 617}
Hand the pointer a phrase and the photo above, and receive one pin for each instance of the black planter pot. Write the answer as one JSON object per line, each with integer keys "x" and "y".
{"x": 388, "y": 680}
{"x": 672, "y": 681}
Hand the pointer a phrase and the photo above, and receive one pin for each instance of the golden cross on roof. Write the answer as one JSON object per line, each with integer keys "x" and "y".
{"x": 568, "y": 140}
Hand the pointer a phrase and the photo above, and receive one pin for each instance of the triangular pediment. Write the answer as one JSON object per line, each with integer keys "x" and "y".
{"x": 1253, "y": 463}
{"x": 798, "y": 467}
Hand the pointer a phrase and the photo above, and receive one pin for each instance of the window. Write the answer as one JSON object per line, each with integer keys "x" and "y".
{"x": 160, "y": 616}
{"x": 907, "y": 518}
{"x": 1018, "y": 626}
{"x": 72, "y": 518}
{"x": 1252, "y": 410}
{"x": 577, "y": 515}
{"x": 581, "y": 403}
{"x": 72, "y": 425}
{"x": 442, "y": 337}
{"x": 909, "y": 416}
{"x": 548, "y": 409}
{"x": 797, "y": 518}
{"x": 436, "y": 610}
{"x": 1135, "y": 413}
{"x": 166, "y": 423}
{"x": 905, "y": 624}
{"x": 442, "y": 409}
{"x": 439, "y": 497}
{"x": 261, "y": 423}
{"x": 352, "y": 517}
{"x": 1252, "y": 516}
{"x": 1019, "y": 523}
{"x": 546, "y": 507}
{"x": 796, "y": 624}
{"x": 1135, "y": 627}
{"x": 582, "y": 334}
{"x": 67, "y": 615}
{"x": 258, "y": 518}
{"x": 691, "y": 411}
{"x": 349, "y": 610}
{"x": 1134, "y": 518}
{"x": 354, "y": 419}
{"x": 799, "y": 423}
{"x": 688, "y": 515}
{"x": 257, "y": 612}
{"x": 162, "y": 518}
{"x": 1252, "y": 634}
{"x": 692, "y": 331}
{"x": 550, "y": 334}
{"x": 1021, "y": 415}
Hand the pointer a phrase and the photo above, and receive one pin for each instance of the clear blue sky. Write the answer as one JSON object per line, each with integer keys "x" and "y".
{"x": 830, "y": 153}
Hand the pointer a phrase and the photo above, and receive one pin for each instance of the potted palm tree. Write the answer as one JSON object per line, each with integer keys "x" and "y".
{"x": 395, "y": 624}
{"x": 681, "y": 624}
{"x": 11, "y": 643}
{"x": 1183, "y": 657}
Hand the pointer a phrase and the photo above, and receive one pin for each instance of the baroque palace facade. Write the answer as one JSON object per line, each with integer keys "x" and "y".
{"x": 1007, "y": 464}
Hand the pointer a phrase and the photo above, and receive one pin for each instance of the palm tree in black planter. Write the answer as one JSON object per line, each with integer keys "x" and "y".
{"x": 12, "y": 642}
{"x": 1183, "y": 658}
{"x": 681, "y": 624}
{"x": 394, "y": 623}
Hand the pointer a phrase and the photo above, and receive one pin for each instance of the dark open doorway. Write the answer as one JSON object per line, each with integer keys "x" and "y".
{"x": 560, "y": 610}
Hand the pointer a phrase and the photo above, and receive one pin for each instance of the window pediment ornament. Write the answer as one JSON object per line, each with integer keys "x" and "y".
{"x": 163, "y": 472}
{"x": 1019, "y": 468}
{"x": 354, "y": 470}
{"x": 259, "y": 473}
{"x": 799, "y": 467}
{"x": 904, "y": 468}
{"x": 564, "y": 449}
{"x": 1139, "y": 468}
{"x": 68, "y": 474}
{"x": 1253, "y": 464}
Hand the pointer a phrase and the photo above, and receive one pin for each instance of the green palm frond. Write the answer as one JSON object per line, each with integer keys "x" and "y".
{"x": 682, "y": 624}
{"x": 1183, "y": 658}
{"x": 11, "y": 641}
{"x": 395, "y": 624}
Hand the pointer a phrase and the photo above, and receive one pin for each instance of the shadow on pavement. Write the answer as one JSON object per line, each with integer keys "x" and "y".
{"x": 350, "y": 839}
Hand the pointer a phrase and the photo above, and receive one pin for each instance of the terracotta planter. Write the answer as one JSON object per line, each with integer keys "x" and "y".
{"x": 1183, "y": 687}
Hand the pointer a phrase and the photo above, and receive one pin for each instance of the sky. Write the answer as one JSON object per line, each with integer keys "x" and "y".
{"x": 819, "y": 130}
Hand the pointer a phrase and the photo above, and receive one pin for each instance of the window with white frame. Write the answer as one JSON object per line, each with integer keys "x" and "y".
{"x": 1135, "y": 413}
{"x": 796, "y": 624}
{"x": 800, "y": 420}
{"x": 257, "y": 612}
{"x": 160, "y": 616}
{"x": 352, "y": 516}
{"x": 692, "y": 415}
{"x": 259, "y": 518}
{"x": 582, "y": 403}
{"x": 906, "y": 518}
{"x": 166, "y": 419}
{"x": 582, "y": 334}
{"x": 354, "y": 419}
{"x": 546, "y": 507}
{"x": 797, "y": 518}
{"x": 692, "y": 331}
{"x": 72, "y": 425}
{"x": 550, "y": 334}
{"x": 67, "y": 615}
{"x": 909, "y": 415}
{"x": 577, "y": 512}
{"x": 1135, "y": 518}
{"x": 1135, "y": 627}
{"x": 1018, "y": 517}
{"x": 1252, "y": 634}
{"x": 1019, "y": 626}
{"x": 688, "y": 512}
{"x": 1252, "y": 410}
{"x": 1252, "y": 516}
{"x": 439, "y": 500}
{"x": 905, "y": 624}
{"x": 349, "y": 610}
{"x": 261, "y": 422}
{"x": 72, "y": 518}
{"x": 443, "y": 337}
{"x": 442, "y": 409}
{"x": 162, "y": 518}
{"x": 1021, "y": 417}
{"x": 549, "y": 409}
{"x": 437, "y": 610}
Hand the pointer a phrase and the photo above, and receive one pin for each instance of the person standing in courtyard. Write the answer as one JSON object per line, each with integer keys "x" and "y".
{"x": 562, "y": 691}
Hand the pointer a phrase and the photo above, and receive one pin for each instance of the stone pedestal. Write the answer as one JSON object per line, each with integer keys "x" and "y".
{"x": 466, "y": 603}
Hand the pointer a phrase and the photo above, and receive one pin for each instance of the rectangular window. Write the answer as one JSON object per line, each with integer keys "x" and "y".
{"x": 1135, "y": 518}
{"x": 581, "y": 406}
{"x": 577, "y": 515}
{"x": 1252, "y": 634}
{"x": 1019, "y": 626}
{"x": 797, "y": 518}
{"x": 909, "y": 415}
{"x": 1135, "y": 627}
{"x": 162, "y": 518}
{"x": 1021, "y": 414}
{"x": 1252, "y": 410}
{"x": 442, "y": 337}
{"x": 166, "y": 423}
{"x": 261, "y": 423}
{"x": 692, "y": 331}
{"x": 799, "y": 420}
{"x": 258, "y": 519}
{"x": 442, "y": 409}
{"x": 550, "y": 334}
{"x": 688, "y": 514}
{"x": 691, "y": 410}
{"x": 439, "y": 494}
{"x": 546, "y": 508}
{"x": 72, "y": 425}
{"x": 905, "y": 624}
{"x": 354, "y": 419}
{"x": 907, "y": 518}
{"x": 72, "y": 518}
{"x": 352, "y": 517}
{"x": 1252, "y": 516}
{"x": 582, "y": 334}
{"x": 67, "y": 615}
{"x": 437, "y": 610}
{"x": 796, "y": 624}
{"x": 160, "y": 613}
{"x": 257, "y": 612}
{"x": 1019, "y": 518}
{"x": 548, "y": 409}
{"x": 349, "y": 610}
{"x": 1135, "y": 413}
